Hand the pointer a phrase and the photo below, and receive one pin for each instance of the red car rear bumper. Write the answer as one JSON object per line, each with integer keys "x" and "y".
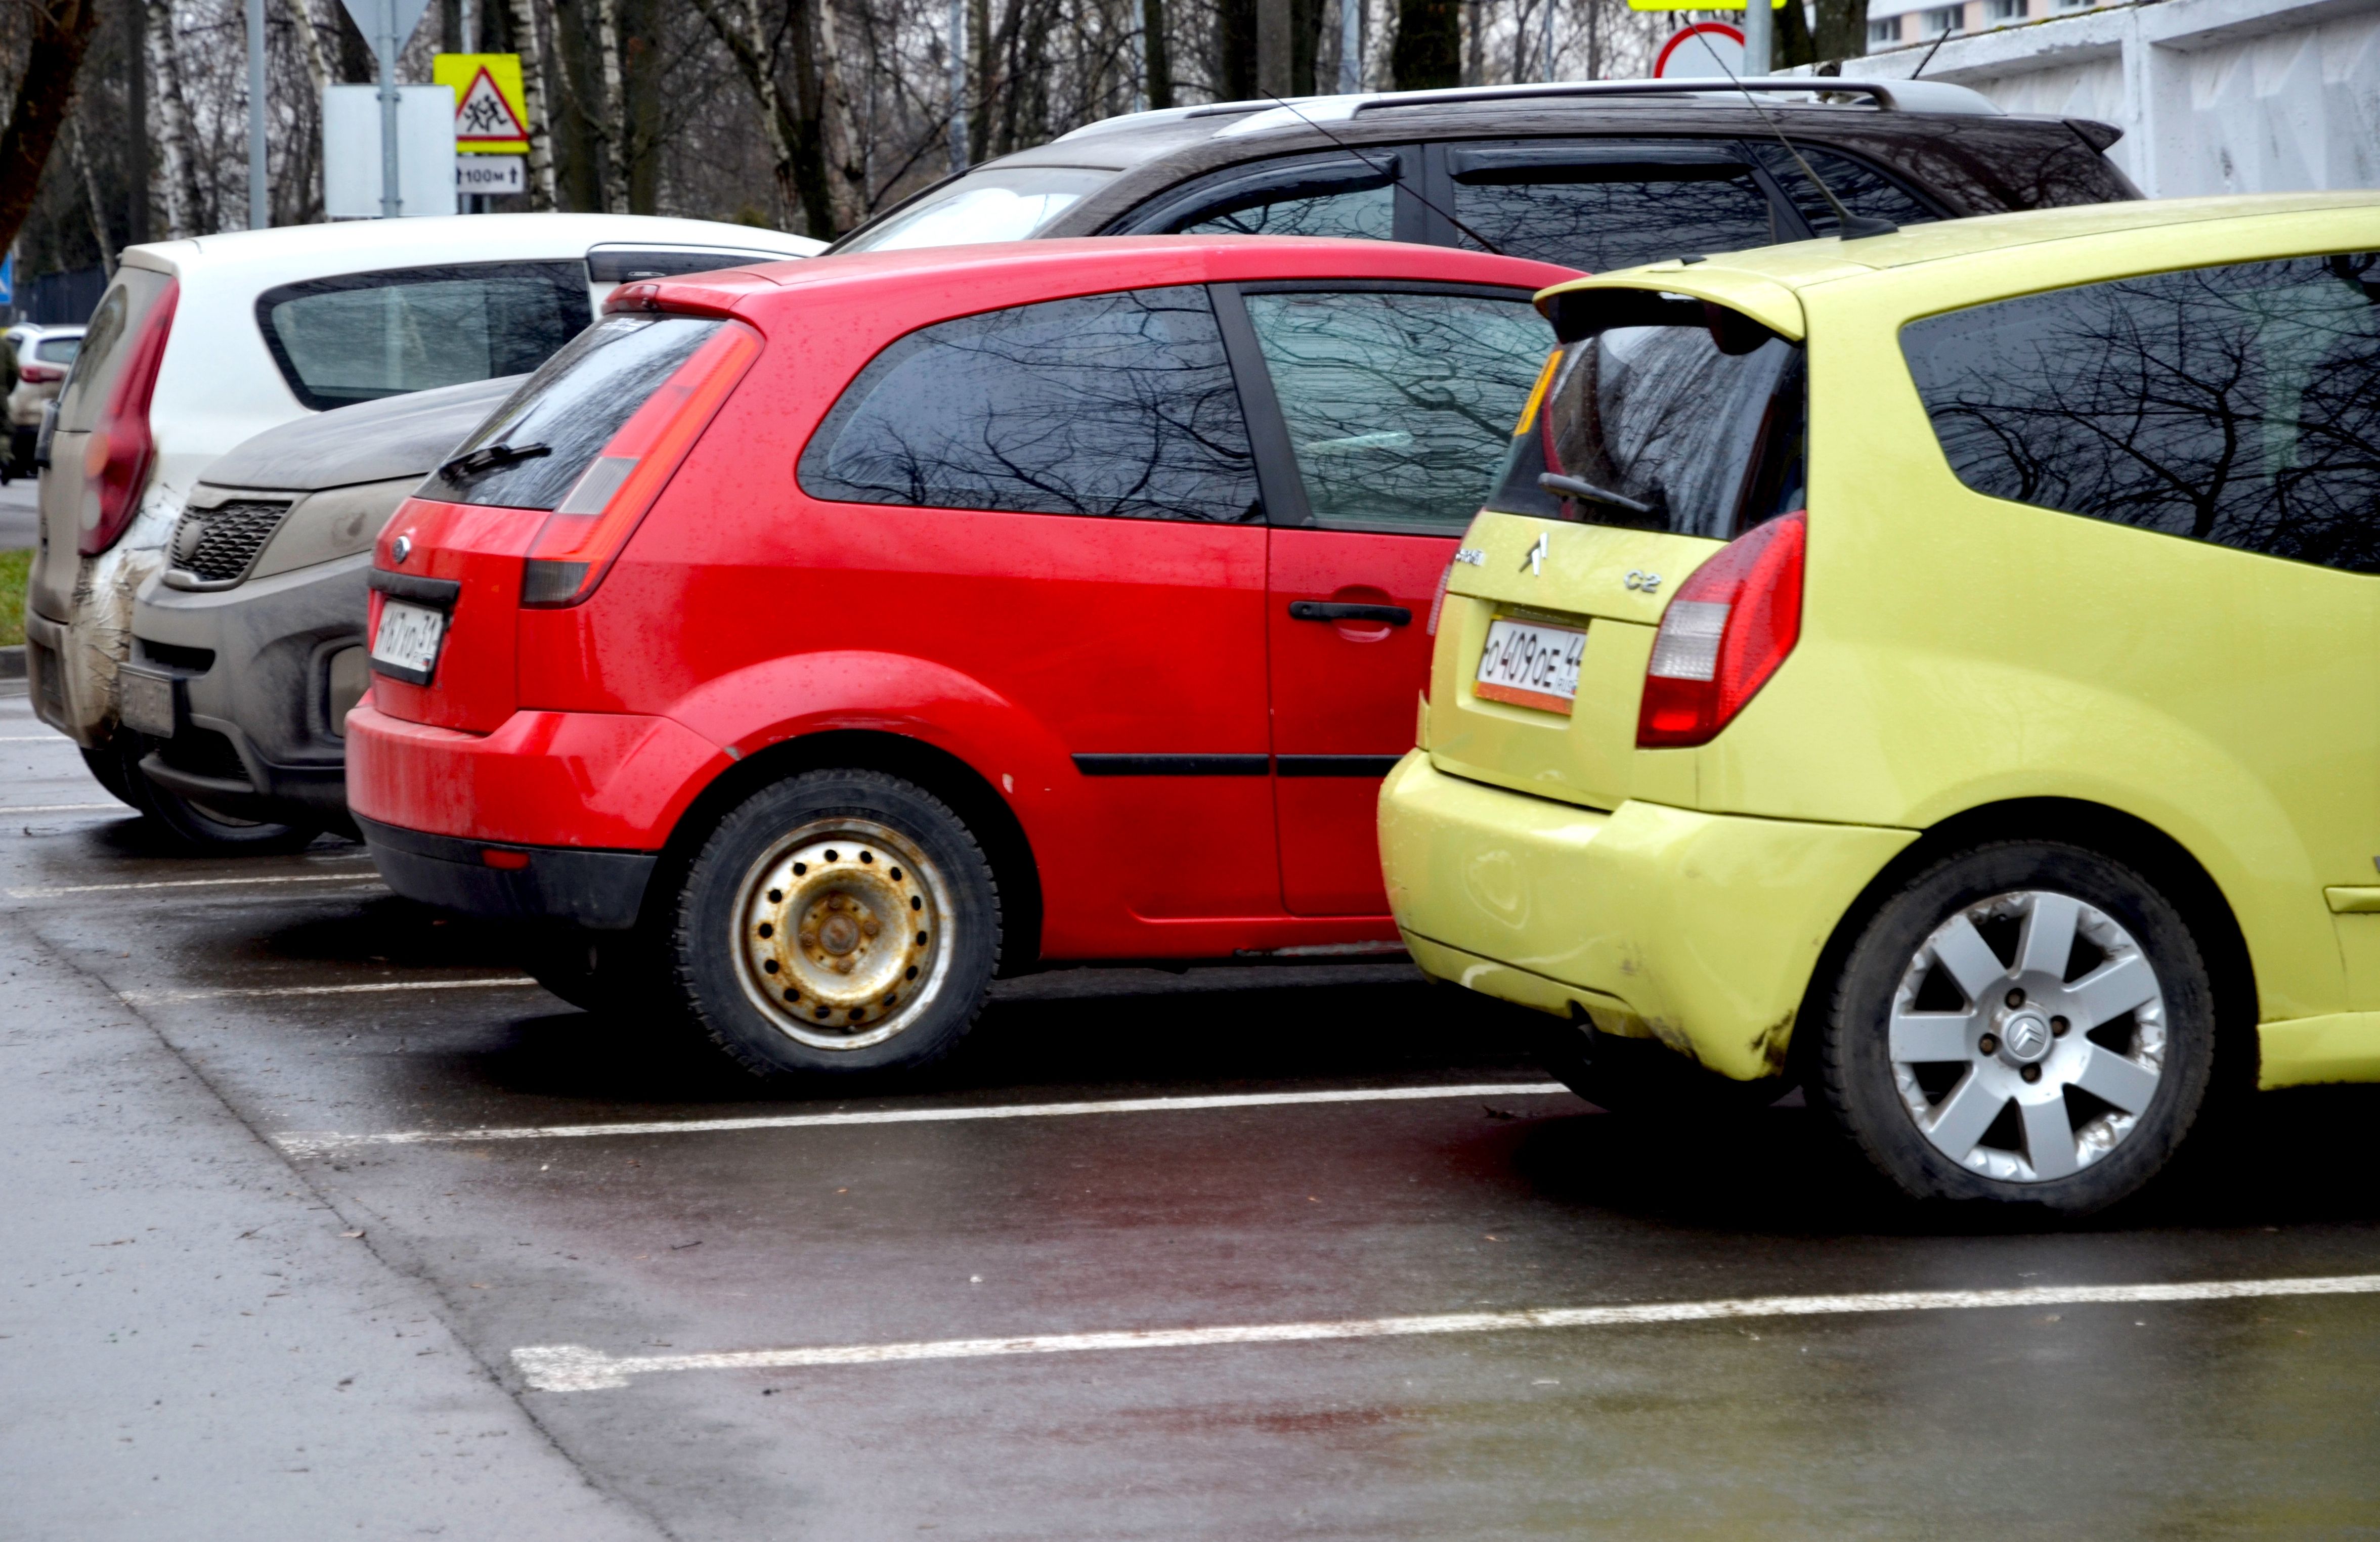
{"x": 603, "y": 781}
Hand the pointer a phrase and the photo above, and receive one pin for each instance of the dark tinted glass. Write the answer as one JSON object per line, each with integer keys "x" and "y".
{"x": 571, "y": 406}
{"x": 1364, "y": 213}
{"x": 2239, "y": 405}
{"x": 362, "y": 337}
{"x": 1857, "y": 185}
{"x": 1118, "y": 404}
{"x": 1658, "y": 430}
{"x": 1397, "y": 406}
{"x": 1601, "y": 218}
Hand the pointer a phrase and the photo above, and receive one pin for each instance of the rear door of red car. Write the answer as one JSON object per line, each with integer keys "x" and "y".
{"x": 1379, "y": 412}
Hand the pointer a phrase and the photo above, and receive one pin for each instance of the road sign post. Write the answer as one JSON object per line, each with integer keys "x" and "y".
{"x": 387, "y": 23}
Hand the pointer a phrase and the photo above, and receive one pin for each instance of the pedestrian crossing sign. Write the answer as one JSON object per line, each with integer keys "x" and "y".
{"x": 491, "y": 117}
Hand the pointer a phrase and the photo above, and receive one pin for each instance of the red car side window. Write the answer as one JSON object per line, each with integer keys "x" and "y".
{"x": 1118, "y": 404}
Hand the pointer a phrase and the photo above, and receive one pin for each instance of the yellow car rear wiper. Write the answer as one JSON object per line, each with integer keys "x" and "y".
{"x": 1571, "y": 487}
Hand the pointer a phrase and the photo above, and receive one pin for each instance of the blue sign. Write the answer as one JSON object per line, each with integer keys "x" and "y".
{"x": 9, "y": 279}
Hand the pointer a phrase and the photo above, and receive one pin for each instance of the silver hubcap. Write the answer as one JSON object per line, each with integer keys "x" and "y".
{"x": 2037, "y": 1001}
{"x": 839, "y": 934}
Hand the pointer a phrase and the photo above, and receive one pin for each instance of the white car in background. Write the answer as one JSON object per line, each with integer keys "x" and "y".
{"x": 44, "y": 354}
{"x": 198, "y": 345}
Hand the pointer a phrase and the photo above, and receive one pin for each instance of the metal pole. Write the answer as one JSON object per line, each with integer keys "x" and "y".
{"x": 1351, "y": 46}
{"x": 392, "y": 203}
{"x": 1759, "y": 26}
{"x": 958, "y": 87}
{"x": 259, "y": 209}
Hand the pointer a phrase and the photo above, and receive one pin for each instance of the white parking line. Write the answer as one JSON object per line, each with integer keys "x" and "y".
{"x": 308, "y": 1143}
{"x": 35, "y": 739}
{"x": 491, "y": 982}
{"x": 59, "y": 807}
{"x": 191, "y": 883}
{"x": 574, "y": 1368}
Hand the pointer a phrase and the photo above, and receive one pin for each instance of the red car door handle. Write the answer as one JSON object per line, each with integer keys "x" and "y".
{"x": 1335, "y": 609}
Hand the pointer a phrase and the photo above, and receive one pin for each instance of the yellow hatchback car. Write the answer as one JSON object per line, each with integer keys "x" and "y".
{"x": 1938, "y": 668}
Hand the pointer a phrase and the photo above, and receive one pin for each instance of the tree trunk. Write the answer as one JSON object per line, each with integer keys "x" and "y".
{"x": 91, "y": 202}
{"x": 844, "y": 146}
{"x": 1841, "y": 33}
{"x": 1157, "y": 57}
{"x": 1474, "y": 63}
{"x": 742, "y": 36}
{"x": 164, "y": 63}
{"x": 641, "y": 130}
{"x": 1794, "y": 44}
{"x": 1235, "y": 40}
{"x": 310, "y": 48}
{"x": 1429, "y": 51}
{"x": 610, "y": 111}
{"x": 1305, "y": 47}
{"x": 540, "y": 121}
{"x": 61, "y": 32}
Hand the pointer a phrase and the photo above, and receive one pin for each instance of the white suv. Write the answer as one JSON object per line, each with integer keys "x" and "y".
{"x": 198, "y": 345}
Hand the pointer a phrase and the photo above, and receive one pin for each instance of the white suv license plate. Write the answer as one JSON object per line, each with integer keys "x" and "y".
{"x": 409, "y": 638}
{"x": 1530, "y": 664}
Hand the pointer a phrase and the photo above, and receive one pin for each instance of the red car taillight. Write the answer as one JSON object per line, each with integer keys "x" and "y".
{"x": 586, "y": 529}
{"x": 116, "y": 461}
{"x": 1729, "y": 628}
{"x": 40, "y": 375}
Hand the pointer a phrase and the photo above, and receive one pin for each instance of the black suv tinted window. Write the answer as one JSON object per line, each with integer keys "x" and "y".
{"x": 1856, "y": 186}
{"x": 1605, "y": 207}
{"x": 1118, "y": 404}
{"x": 362, "y": 337}
{"x": 1338, "y": 193}
{"x": 2239, "y": 405}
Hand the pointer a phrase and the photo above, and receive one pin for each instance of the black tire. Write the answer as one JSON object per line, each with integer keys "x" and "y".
{"x": 2018, "y": 1035}
{"x": 1639, "y": 1077}
{"x": 607, "y": 973}
{"x": 106, "y": 764}
{"x": 193, "y": 826}
{"x": 825, "y": 860}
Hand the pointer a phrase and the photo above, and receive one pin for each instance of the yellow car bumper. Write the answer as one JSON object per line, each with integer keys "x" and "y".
{"x": 1697, "y": 929}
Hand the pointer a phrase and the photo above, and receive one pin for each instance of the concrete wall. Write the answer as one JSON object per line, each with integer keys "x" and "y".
{"x": 2214, "y": 96}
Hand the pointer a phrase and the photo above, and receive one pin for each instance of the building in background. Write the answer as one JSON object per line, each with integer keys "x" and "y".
{"x": 2214, "y": 96}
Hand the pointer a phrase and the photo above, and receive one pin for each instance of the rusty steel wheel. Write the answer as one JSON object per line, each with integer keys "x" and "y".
{"x": 840, "y": 933}
{"x": 838, "y": 922}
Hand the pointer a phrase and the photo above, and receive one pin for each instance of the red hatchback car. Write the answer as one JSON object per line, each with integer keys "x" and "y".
{"x": 834, "y": 636}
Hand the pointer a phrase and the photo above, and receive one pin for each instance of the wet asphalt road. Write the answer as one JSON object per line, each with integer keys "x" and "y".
{"x": 212, "y": 1327}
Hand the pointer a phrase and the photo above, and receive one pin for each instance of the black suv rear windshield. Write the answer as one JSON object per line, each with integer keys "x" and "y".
{"x": 529, "y": 454}
{"x": 990, "y": 205}
{"x": 1663, "y": 428}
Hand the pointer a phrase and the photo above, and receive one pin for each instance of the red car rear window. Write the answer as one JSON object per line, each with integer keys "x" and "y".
{"x": 531, "y": 453}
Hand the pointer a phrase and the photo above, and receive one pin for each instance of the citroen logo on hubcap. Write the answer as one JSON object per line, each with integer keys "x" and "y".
{"x": 2026, "y": 1038}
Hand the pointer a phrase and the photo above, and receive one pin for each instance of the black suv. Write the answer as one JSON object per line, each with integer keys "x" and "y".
{"x": 1598, "y": 175}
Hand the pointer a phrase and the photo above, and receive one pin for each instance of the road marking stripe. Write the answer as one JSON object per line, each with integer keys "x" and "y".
{"x": 307, "y": 1143}
{"x": 491, "y": 982}
{"x": 59, "y": 807}
{"x": 192, "y": 883}
{"x": 35, "y": 739}
{"x": 575, "y": 1368}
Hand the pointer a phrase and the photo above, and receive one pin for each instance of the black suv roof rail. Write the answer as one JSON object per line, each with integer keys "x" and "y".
{"x": 1906, "y": 96}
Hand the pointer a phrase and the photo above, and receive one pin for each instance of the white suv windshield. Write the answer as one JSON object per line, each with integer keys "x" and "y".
{"x": 989, "y": 206}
